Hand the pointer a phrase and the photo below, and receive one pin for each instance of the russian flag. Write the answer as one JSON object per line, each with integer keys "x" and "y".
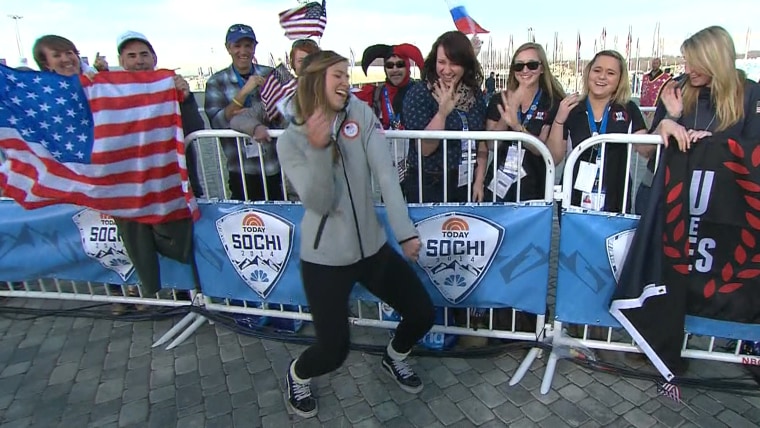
{"x": 462, "y": 19}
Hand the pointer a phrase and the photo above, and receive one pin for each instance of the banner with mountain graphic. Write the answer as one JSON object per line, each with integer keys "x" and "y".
{"x": 71, "y": 243}
{"x": 486, "y": 256}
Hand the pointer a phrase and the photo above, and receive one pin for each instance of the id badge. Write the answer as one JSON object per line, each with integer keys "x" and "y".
{"x": 501, "y": 183}
{"x": 586, "y": 176}
{"x": 251, "y": 150}
{"x": 467, "y": 162}
{"x": 513, "y": 162}
{"x": 593, "y": 200}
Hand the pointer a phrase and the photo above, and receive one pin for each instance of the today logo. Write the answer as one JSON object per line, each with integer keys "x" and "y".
{"x": 458, "y": 249}
{"x": 258, "y": 245}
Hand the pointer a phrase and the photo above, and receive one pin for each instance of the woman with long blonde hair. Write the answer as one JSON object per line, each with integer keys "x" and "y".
{"x": 604, "y": 108}
{"x": 331, "y": 153}
{"x": 529, "y": 105}
{"x": 712, "y": 97}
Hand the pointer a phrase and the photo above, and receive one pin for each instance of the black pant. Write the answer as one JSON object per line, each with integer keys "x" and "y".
{"x": 255, "y": 187}
{"x": 387, "y": 276}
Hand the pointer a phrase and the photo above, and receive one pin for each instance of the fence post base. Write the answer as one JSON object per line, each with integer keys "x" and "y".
{"x": 174, "y": 330}
{"x": 188, "y": 332}
{"x": 524, "y": 366}
{"x": 551, "y": 366}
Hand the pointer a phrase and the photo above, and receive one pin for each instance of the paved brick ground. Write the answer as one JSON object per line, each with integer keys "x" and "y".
{"x": 67, "y": 372}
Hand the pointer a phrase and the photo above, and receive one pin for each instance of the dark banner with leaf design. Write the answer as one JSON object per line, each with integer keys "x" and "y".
{"x": 712, "y": 228}
{"x": 695, "y": 250}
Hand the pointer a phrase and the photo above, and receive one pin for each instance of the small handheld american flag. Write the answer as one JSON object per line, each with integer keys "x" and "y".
{"x": 304, "y": 21}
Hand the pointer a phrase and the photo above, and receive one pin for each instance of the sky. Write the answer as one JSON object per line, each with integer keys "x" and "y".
{"x": 188, "y": 37}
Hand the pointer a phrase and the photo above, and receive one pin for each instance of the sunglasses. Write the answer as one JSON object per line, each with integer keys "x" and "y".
{"x": 398, "y": 64}
{"x": 520, "y": 66}
{"x": 241, "y": 28}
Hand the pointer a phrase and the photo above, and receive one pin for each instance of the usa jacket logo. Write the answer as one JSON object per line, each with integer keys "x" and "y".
{"x": 350, "y": 129}
{"x": 457, "y": 251}
{"x": 101, "y": 241}
{"x": 258, "y": 245}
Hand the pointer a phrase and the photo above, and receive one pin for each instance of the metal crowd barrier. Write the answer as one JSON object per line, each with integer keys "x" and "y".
{"x": 582, "y": 320}
{"x": 371, "y": 313}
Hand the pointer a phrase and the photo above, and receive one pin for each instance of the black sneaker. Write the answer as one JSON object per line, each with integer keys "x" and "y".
{"x": 403, "y": 374}
{"x": 300, "y": 399}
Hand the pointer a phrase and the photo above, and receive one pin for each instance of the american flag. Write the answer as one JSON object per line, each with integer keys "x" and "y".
{"x": 304, "y": 21}
{"x": 278, "y": 85}
{"x": 669, "y": 390}
{"x": 113, "y": 144}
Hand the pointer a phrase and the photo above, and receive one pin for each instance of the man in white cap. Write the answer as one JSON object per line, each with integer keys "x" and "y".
{"x": 172, "y": 239}
{"x": 137, "y": 54}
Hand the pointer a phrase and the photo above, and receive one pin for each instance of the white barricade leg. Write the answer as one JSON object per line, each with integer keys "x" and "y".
{"x": 541, "y": 329}
{"x": 174, "y": 330}
{"x": 524, "y": 366}
{"x": 551, "y": 363}
{"x": 188, "y": 332}
{"x": 551, "y": 366}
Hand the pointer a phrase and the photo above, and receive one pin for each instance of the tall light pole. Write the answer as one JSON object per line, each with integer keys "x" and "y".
{"x": 16, "y": 19}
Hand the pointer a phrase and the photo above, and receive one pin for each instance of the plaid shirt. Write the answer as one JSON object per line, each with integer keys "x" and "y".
{"x": 220, "y": 89}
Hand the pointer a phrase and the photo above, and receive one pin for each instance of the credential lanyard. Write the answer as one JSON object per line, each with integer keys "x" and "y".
{"x": 602, "y": 127}
{"x": 592, "y": 124}
{"x": 463, "y": 118}
{"x": 241, "y": 83}
{"x": 394, "y": 119}
{"x": 531, "y": 110}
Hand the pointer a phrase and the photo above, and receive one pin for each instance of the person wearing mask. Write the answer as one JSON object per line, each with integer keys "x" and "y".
{"x": 331, "y": 153}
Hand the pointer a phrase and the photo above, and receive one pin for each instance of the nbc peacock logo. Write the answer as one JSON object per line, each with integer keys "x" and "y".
{"x": 258, "y": 245}
{"x": 457, "y": 250}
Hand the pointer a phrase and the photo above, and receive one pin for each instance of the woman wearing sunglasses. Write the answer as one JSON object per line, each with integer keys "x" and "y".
{"x": 528, "y": 105}
{"x": 331, "y": 153}
{"x": 604, "y": 108}
{"x": 448, "y": 98}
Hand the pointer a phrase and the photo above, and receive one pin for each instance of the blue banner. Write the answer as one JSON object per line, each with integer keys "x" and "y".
{"x": 591, "y": 250}
{"x": 71, "y": 243}
{"x": 487, "y": 256}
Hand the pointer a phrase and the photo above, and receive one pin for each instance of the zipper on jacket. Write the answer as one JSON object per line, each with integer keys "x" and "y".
{"x": 320, "y": 229}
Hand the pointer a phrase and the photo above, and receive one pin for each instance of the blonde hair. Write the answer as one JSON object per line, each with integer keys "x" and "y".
{"x": 547, "y": 82}
{"x": 310, "y": 95}
{"x": 623, "y": 92}
{"x": 711, "y": 52}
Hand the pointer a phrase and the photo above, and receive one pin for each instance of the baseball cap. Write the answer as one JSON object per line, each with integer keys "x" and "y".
{"x": 128, "y": 37}
{"x": 240, "y": 31}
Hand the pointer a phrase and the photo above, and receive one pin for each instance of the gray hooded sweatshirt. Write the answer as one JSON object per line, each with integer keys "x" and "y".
{"x": 340, "y": 225}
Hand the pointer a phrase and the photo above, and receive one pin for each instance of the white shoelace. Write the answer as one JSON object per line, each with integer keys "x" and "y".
{"x": 301, "y": 391}
{"x": 402, "y": 368}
